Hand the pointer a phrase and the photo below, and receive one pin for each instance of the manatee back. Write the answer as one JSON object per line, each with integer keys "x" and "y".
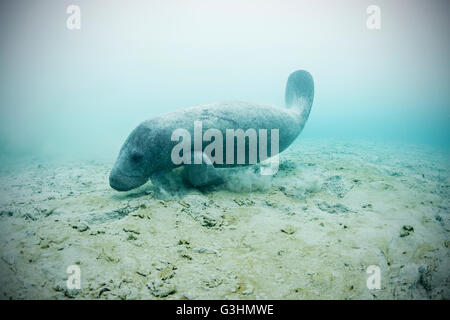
{"x": 222, "y": 116}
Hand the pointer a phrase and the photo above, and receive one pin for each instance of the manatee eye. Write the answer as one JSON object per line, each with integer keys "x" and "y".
{"x": 136, "y": 157}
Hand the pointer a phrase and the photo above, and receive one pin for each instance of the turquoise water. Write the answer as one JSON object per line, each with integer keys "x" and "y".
{"x": 80, "y": 92}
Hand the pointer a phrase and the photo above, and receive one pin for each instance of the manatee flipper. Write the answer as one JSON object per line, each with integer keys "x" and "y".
{"x": 168, "y": 183}
{"x": 204, "y": 174}
{"x": 162, "y": 181}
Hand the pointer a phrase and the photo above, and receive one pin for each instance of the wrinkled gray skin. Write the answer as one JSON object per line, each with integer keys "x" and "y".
{"x": 147, "y": 151}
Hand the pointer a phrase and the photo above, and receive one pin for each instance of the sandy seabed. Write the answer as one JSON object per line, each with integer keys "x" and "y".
{"x": 310, "y": 232}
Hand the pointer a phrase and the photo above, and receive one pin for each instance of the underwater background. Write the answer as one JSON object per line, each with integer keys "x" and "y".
{"x": 366, "y": 183}
{"x": 81, "y": 92}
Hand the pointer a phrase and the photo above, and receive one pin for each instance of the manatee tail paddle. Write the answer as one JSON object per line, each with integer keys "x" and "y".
{"x": 300, "y": 93}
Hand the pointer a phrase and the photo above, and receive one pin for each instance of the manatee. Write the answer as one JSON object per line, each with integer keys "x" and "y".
{"x": 147, "y": 152}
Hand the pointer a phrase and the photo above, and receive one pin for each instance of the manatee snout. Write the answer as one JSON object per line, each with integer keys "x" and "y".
{"x": 121, "y": 181}
{"x": 133, "y": 166}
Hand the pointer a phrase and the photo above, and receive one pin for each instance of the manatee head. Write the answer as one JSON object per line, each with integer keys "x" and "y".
{"x": 133, "y": 165}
